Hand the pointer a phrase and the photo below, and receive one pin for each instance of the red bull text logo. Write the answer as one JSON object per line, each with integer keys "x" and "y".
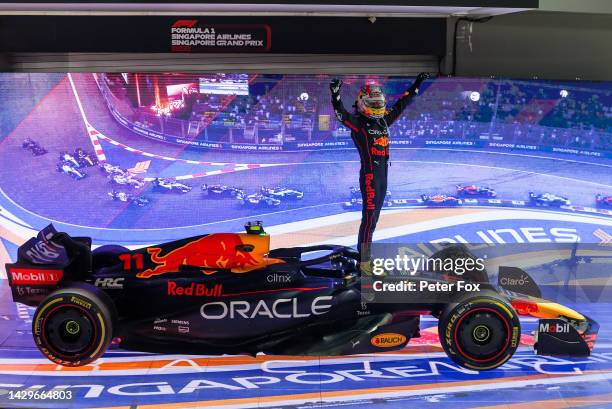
{"x": 215, "y": 251}
{"x": 194, "y": 290}
{"x": 370, "y": 192}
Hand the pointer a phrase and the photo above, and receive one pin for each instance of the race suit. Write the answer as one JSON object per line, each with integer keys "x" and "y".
{"x": 371, "y": 137}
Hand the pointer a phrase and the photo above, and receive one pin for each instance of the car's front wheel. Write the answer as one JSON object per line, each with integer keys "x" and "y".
{"x": 479, "y": 332}
{"x": 73, "y": 326}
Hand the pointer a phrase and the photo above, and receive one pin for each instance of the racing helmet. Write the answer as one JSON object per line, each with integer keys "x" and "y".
{"x": 371, "y": 101}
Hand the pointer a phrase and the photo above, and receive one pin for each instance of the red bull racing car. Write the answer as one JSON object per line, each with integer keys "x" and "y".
{"x": 229, "y": 293}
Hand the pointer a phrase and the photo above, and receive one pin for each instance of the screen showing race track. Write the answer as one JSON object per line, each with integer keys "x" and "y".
{"x": 516, "y": 171}
{"x": 175, "y": 154}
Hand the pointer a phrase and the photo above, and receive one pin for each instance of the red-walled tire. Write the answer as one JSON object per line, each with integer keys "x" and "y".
{"x": 479, "y": 332}
{"x": 73, "y": 326}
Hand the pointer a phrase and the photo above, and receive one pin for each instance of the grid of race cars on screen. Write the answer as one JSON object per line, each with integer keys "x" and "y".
{"x": 141, "y": 159}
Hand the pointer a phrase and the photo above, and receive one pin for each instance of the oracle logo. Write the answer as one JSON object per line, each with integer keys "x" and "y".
{"x": 28, "y": 276}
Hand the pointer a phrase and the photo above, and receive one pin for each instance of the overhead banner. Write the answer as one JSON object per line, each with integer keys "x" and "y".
{"x": 200, "y": 36}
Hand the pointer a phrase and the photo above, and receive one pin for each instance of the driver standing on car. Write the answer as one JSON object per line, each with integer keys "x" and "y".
{"x": 369, "y": 125}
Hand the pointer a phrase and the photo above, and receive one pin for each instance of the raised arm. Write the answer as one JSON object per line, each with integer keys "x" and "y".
{"x": 342, "y": 114}
{"x": 403, "y": 101}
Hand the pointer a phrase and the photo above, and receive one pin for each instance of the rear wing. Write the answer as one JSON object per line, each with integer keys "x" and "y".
{"x": 44, "y": 262}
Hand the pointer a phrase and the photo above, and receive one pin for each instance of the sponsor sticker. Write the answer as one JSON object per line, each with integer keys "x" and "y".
{"x": 387, "y": 340}
{"x": 30, "y": 276}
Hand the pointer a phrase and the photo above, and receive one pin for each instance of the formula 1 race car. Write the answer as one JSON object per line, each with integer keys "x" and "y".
{"x": 548, "y": 199}
{"x": 126, "y": 180}
{"x": 221, "y": 191}
{"x": 33, "y": 146}
{"x": 85, "y": 159}
{"x": 356, "y": 193}
{"x": 258, "y": 200}
{"x": 171, "y": 185}
{"x": 441, "y": 200}
{"x": 138, "y": 201}
{"x": 229, "y": 293}
{"x": 474, "y": 190}
{"x": 357, "y": 204}
{"x": 69, "y": 169}
{"x": 603, "y": 200}
{"x": 113, "y": 170}
{"x": 281, "y": 193}
{"x": 68, "y": 158}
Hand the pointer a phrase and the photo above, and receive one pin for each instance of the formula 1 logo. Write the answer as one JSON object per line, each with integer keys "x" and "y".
{"x": 184, "y": 23}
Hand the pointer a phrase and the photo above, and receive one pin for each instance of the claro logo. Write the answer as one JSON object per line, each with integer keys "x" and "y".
{"x": 24, "y": 276}
{"x": 281, "y": 308}
{"x": 387, "y": 340}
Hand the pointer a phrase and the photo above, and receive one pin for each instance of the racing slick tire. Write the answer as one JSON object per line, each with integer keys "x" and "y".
{"x": 73, "y": 326}
{"x": 479, "y": 332}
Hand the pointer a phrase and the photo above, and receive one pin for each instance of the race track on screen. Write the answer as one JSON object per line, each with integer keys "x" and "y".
{"x": 66, "y": 112}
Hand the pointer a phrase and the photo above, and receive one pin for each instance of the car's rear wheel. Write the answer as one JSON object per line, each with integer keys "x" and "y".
{"x": 479, "y": 332}
{"x": 73, "y": 326}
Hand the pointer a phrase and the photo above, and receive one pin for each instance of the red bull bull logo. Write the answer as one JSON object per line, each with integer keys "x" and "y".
{"x": 239, "y": 253}
{"x": 382, "y": 141}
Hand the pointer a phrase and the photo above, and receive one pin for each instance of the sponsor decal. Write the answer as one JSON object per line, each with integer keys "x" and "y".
{"x": 220, "y": 251}
{"x": 194, "y": 290}
{"x": 193, "y": 36}
{"x": 520, "y": 281}
{"x": 554, "y": 328}
{"x": 281, "y": 308}
{"x": 387, "y": 340}
{"x": 382, "y": 141}
{"x": 81, "y": 302}
{"x": 278, "y": 278}
{"x": 370, "y": 192}
{"x": 29, "y": 276}
{"x": 110, "y": 283}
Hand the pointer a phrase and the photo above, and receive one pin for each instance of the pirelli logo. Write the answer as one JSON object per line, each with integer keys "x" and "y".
{"x": 30, "y": 276}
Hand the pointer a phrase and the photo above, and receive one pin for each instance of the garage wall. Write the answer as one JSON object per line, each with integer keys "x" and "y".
{"x": 544, "y": 44}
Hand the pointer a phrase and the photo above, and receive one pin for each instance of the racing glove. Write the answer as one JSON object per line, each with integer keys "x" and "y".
{"x": 335, "y": 85}
{"x": 414, "y": 88}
